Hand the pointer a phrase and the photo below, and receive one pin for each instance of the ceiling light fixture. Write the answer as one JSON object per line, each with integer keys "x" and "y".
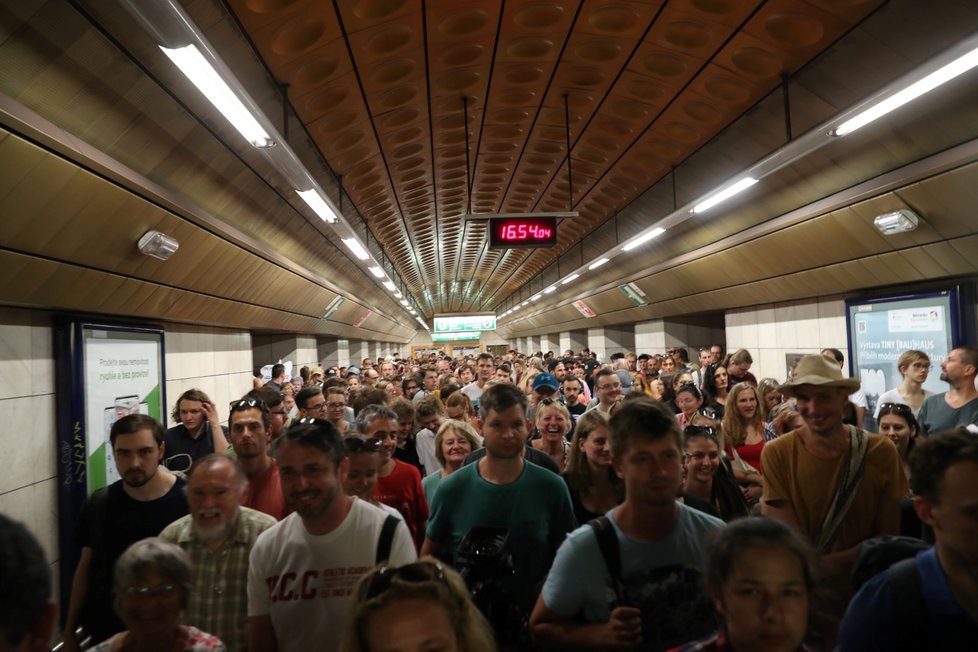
{"x": 900, "y": 221}
{"x": 550, "y": 289}
{"x": 354, "y": 245}
{"x": 946, "y": 73}
{"x": 200, "y": 71}
{"x": 318, "y": 205}
{"x": 570, "y": 278}
{"x": 158, "y": 245}
{"x": 598, "y": 263}
{"x": 390, "y": 286}
{"x": 642, "y": 239}
{"x": 376, "y": 271}
{"x": 724, "y": 194}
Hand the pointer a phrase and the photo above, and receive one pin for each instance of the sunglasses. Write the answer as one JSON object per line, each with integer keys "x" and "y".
{"x": 356, "y": 445}
{"x": 701, "y": 431}
{"x": 416, "y": 573}
{"x": 899, "y": 408}
{"x": 247, "y": 403}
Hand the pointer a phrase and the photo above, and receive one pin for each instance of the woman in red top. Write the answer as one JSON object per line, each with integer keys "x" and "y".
{"x": 743, "y": 432}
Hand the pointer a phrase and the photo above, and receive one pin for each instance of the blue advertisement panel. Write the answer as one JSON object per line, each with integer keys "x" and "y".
{"x": 882, "y": 329}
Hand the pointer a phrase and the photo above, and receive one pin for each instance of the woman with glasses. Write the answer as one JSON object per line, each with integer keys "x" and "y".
{"x": 420, "y": 606}
{"x": 553, "y": 423}
{"x": 743, "y": 432}
{"x": 454, "y": 440}
{"x": 152, "y": 585}
{"x": 707, "y": 476}
{"x": 594, "y": 486}
{"x": 914, "y": 367}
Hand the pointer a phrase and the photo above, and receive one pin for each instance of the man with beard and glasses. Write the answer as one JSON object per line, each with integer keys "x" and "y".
{"x": 502, "y": 490}
{"x": 957, "y": 406}
{"x": 147, "y": 499}
{"x": 250, "y": 423}
{"x": 218, "y": 535}
{"x": 304, "y": 569}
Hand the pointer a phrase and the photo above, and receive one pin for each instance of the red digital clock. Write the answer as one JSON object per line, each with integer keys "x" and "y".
{"x": 517, "y": 232}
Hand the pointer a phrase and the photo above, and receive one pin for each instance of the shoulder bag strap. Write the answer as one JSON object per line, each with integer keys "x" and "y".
{"x": 604, "y": 532}
{"x": 386, "y": 538}
{"x": 845, "y": 492}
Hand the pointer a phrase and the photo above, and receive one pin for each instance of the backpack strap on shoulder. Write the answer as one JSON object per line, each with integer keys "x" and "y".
{"x": 909, "y": 608}
{"x": 604, "y": 532}
{"x": 386, "y": 538}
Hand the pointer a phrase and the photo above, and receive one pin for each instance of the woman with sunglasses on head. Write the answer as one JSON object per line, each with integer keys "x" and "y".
{"x": 708, "y": 476}
{"x": 553, "y": 422}
{"x": 761, "y": 576}
{"x": 591, "y": 480}
{"x": 743, "y": 433}
{"x": 914, "y": 367}
{"x": 897, "y": 421}
{"x": 415, "y": 608}
{"x": 454, "y": 440}
{"x": 152, "y": 586}
{"x": 689, "y": 400}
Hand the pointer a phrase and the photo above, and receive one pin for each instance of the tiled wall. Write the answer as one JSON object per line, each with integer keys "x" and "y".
{"x": 28, "y": 463}
{"x": 215, "y": 360}
{"x": 771, "y": 331}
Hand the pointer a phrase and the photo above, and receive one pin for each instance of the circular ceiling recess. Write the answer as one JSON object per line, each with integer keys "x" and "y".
{"x": 687, "y": 34}
{"x": 392, "y": 71}
{"x": 316, "y": 71}
{"x": 268, "y": 6}
{"x": 530, "y": 47}
{"x": 539, "y": 16}
{"x": 795, "y": 30}
{"x": 757, "y": 62}
{"x": 664, "y": 65}
{"x": 298, "y": 35}
{"x": 461, "y": 54}
{"x": 374, "y": 9}
{"x": 462, "y": 23}
{"x": 598, "y": 51}
{"x": 726, "y": 90}
{"x": 613, "y": 19}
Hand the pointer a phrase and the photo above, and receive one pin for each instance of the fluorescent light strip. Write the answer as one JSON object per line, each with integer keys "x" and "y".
{"x": 377, "y": 271}
{"x": 404, "y": 302}
{"x": 550, "y": 289}
{"x": 318, "y": 205}
{"x": 536, "y": 296}
{"x": 642, "y": 239}
{"x": 724, "y": 194}
{"x": 945, "y": 74}
{"x": 598, "y": 263}
{"x": 570, "y": 278}
{"x": 357, "y": 248}
{"x": 397, "y": 294}
{"x": 390, "y": 285}
{"x": 199, "y": 71}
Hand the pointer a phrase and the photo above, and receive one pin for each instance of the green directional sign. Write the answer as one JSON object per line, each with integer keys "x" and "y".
{"x": 465, "y": 324}
{"x": 456, "y": 337}
{"x": 634, "y": 293}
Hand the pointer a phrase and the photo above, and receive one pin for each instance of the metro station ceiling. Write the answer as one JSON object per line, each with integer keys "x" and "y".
{"x": 425, "y": 109}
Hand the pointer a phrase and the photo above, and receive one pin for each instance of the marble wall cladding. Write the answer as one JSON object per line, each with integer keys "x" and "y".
{"x": 772, "y": 331}
{"x": 28, "y": 462}
{"x": 217, "y": 361}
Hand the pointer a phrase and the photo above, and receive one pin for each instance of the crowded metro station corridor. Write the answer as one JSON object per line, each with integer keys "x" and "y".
{"x": 460, "y": 276}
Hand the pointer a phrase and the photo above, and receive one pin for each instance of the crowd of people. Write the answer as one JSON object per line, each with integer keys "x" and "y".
{"x": 532, "y": 502}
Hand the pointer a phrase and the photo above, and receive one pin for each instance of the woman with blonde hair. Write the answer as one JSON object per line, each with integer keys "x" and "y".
{"x": 453, "y": 442}
{"x": 743, "y": 434}
{"x": 767, "y": 390}
{"x": 424, "y": 605}
{"x": 553, "y": 422}
{"x": 593, "y": 484}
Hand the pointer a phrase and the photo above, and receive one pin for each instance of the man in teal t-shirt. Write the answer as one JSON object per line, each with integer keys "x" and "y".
{"x": 503, "y": 490}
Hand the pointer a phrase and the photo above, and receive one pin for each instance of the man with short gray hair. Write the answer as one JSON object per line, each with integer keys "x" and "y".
{"x": 218, "y": 534}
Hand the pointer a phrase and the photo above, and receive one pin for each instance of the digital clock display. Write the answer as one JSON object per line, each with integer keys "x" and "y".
{"x": 515, "y": 232}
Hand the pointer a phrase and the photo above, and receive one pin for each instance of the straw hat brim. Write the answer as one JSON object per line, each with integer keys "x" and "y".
{"x": 851, "y": 384}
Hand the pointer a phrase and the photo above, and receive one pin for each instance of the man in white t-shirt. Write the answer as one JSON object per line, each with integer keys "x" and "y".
{"x": 485, "y": 367}
{"x": 303, "y": 570}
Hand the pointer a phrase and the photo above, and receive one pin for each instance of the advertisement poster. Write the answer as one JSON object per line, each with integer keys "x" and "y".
{"x": 879, "y": 331}
{"x": 123, "y": 374}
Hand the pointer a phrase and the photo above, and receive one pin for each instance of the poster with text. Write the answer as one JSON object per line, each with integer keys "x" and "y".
{"x": 123, "y": 374}
{"x": 880, "y": 331}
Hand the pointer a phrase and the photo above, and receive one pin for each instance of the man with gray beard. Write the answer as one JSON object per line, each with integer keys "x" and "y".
{"x": 218, "y": 534}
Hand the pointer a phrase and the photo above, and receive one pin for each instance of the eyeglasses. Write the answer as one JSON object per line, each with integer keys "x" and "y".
{"x": 150, "y": 591}
{"x": 247, "y": 403}
{"x": 360, "y": 445}
{"x": 316, "y": 408}
{"x": 901, "y": 409}
{"x": 416, "y": 573}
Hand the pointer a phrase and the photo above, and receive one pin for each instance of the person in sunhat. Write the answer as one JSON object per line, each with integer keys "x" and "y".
{"x": 837, "y": 484}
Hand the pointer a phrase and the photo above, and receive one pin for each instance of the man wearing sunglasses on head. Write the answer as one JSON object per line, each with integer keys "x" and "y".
{"x": 250, "y": 425}
{"x": 303, "y": 570}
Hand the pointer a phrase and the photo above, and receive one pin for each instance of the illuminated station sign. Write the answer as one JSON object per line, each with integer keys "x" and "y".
{"x": 473, "y": 336}
{"x": 466, "y": 323}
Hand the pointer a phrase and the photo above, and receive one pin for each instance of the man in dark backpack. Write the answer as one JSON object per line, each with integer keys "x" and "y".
{"x": 633, "y": 578}
{"x": 929, "y": 602}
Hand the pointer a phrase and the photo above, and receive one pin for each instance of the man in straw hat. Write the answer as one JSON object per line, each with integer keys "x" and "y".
{"x": 837, "y": 484}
